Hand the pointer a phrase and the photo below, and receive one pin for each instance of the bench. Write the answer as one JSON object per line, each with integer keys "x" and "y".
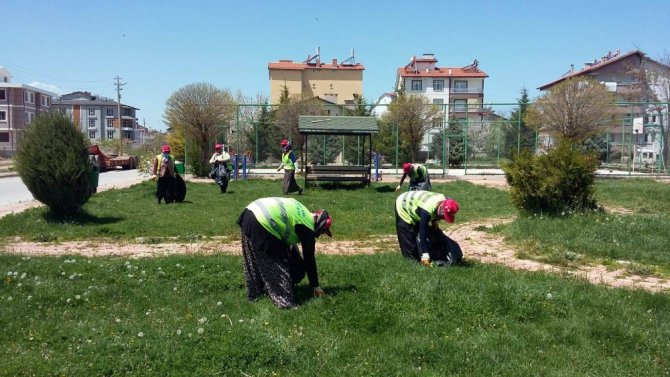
{"x": 337, "y": 173}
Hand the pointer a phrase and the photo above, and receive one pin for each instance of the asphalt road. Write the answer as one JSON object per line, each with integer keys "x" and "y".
{"x": 13, "y": 191}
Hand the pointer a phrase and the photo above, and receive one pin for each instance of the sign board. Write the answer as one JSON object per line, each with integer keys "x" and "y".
{"x": 638, "y": 125}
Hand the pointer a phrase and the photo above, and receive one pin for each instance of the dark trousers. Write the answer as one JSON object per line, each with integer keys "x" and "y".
{"x": 407, "y": 238}
{"x": 165, "y": 189}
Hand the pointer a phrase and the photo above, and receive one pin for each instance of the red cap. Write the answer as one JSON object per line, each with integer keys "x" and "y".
{"x": 218, "y": 146}
{"x": 406, "y": 168}
{"x": 449, "y": 207}
{"x": 322, "y": 223}
{"x": 166, "y": 148}
{"x": 284, "y": 142}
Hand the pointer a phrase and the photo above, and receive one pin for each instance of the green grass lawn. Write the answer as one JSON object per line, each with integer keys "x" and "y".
{"x": 384, "y": 316}
{"x": 133, "y": 212}
{"x": 639, "y": 239}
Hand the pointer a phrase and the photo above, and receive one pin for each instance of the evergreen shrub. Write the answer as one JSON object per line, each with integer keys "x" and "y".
{"x": 52, "y": 160}
{"x": 558, "y": 182}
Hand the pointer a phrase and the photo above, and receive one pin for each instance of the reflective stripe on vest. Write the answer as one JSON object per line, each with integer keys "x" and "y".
{"x": 160, "y": 163}
{"x": 286, "y": 160}
{"x": 409, "y": 202}
{"x": 279, "y": 216}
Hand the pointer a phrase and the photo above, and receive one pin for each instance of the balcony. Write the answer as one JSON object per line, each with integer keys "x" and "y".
{"x": 457, "y": 90}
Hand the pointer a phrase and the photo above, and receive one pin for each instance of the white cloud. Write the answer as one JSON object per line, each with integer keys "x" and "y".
{"x": 49, "y": 87}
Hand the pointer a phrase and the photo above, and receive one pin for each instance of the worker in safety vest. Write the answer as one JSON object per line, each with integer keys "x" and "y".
{"x": 289, "y": 163}
{"x": 418, "y": 177}
{"x": 417, "y": 215}
{"x": 164, "y": 174}
{"x": 271, "y": 229}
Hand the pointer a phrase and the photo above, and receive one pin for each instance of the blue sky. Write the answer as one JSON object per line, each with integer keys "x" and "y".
{"x": 158, "y": 47}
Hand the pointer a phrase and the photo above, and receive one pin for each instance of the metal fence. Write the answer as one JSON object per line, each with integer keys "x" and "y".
{"x": 464, "y": 136}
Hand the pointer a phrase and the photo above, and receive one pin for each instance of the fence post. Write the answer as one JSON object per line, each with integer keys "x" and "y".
{"x": 244, "y": 167}
{"x": 235, "y": 169}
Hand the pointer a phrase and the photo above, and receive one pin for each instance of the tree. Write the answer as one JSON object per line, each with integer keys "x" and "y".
{"x": 199, "y": 110}
{"x": 287, "y": 115}
{"x": 414, "y": 115}
{"x": 52, "y": 160}
{"x": 575, "y": 109}
{"x": 519, "y": 135}
{"x": 263, "y": 136}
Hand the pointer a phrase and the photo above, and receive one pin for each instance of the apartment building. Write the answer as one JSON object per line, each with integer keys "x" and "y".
{"x": 19, "y": 104}
{"x": 335, "y": 82}
{"x": 459, "y": 90}
{"x": 635, "y": 79}
{"x": 98, "y": 117}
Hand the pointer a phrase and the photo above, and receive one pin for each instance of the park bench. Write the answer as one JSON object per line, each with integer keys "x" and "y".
{"x": 337, "y": 173}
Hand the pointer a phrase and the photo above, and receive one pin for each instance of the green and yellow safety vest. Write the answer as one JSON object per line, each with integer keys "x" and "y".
{"x": 286, "y": 160}
{"x": 160, "y": 162}
{"x": 407, "y": 204}
{"x": 279, "y": 216}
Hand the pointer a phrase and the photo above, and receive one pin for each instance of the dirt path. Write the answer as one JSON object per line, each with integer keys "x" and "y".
{"x": 476, "y": 244}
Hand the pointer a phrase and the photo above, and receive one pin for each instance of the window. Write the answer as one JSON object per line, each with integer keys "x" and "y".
{"x": 3, "y": 94}
{"x": 460, "y": 104}
{"x": 29, "y": 116}
{"x": 91, "y": 134}
{"x": 110, "y": 134}
{"x": 417, "y": 85}
{"x": 28, "y": 97}
{"x": 110, "y": 112}
{"x": 91, "y": 112}
{"x": 91, "y": 123}
{"x": 46, "y": 101}
{"x": 4, "y": 137}
{"x": 3, "y": 116}
{"x": 460, "y": 86}
{"x": 127, "y": 112}
{"x": 438, "y": 85}
{"x": 110, "y": 123}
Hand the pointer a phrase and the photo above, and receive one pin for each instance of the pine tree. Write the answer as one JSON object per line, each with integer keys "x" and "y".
{"x": 52, "y": 161}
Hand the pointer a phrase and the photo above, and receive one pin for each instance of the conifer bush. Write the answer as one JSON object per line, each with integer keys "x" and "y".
{"x": 558, "y": 182}
{"x": 52, "y": 160}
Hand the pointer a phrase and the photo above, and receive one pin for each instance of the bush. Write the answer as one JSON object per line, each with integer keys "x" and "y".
{"x": 52, "y": 160}
{"x": 558, "y": 182}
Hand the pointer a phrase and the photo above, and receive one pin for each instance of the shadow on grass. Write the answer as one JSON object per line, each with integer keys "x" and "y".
{"x": 304, "y": 293}
{"x": 383, "y": 189}
{"x": 81, "y": 218}
{"x": 338, "y": 186}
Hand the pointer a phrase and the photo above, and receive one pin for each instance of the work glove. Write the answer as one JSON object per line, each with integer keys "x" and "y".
{"x": 154, "y": 177}
{"x": 426, "y": 262}
{"x": 318, "y": 292}
{"x": 397, "y": 189}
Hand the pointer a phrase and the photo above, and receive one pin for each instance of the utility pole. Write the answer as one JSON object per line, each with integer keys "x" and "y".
{"x": 119, "y": 84}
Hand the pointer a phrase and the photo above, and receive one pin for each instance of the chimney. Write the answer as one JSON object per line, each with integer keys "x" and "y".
{"x": 318, "y": 56}
{"x": 450, "y": 71}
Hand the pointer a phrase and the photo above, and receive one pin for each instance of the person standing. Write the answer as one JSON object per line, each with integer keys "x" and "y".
{"x": 288, "y": 162}
{"x": 219, "y": 161}
{"x": 164, "y": 175}
{"x": 417, "y": 215}
{"x": 418, "y": 177}
{"x": 271, "y": 228}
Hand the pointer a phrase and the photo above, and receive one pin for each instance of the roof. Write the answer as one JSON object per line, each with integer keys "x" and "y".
{"x": 95, "y": 101}
{"x": 598, "y": 64}
{"x": 337, "y": 125}
{"x": 443, "y": 72}
{"x": 291, "y": 65}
